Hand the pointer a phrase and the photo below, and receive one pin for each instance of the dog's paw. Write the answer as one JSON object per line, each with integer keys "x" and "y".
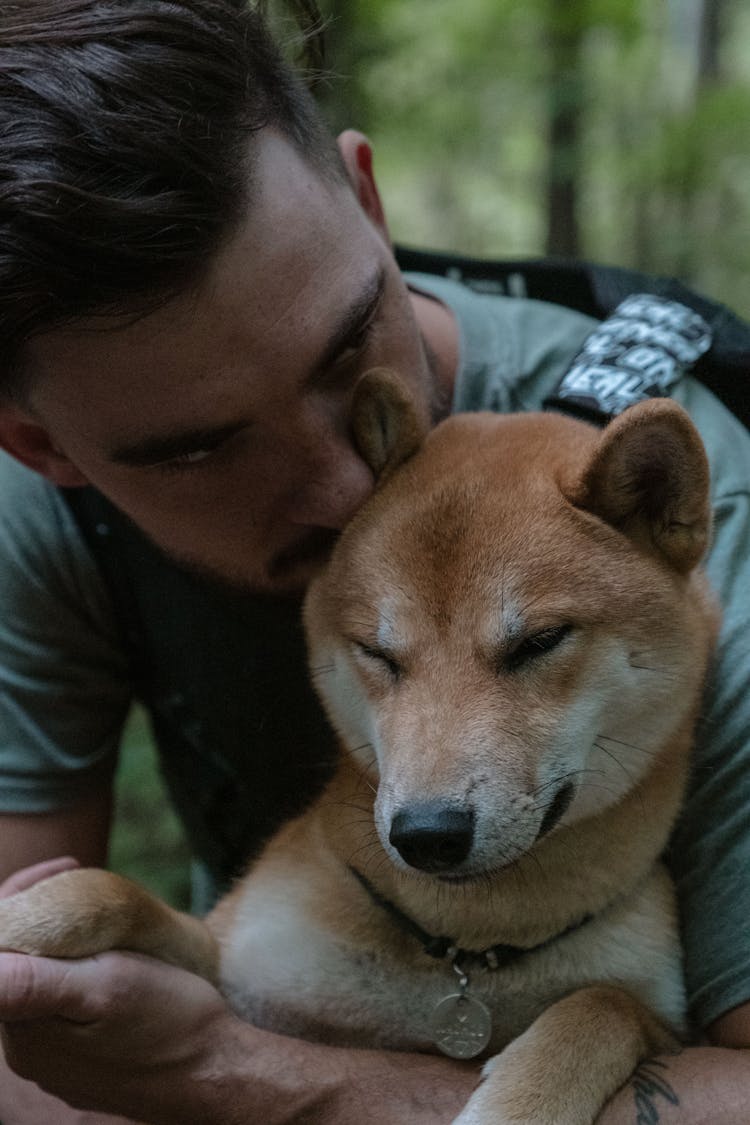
{"x": 513, "y": 1091}
{"x": 471, "y": 1117}
{"x": 73, "y": 914}
{"x": 84, "y": 912}
{"x": 489, "y": 1066}
{"x": 482, "y": 1107}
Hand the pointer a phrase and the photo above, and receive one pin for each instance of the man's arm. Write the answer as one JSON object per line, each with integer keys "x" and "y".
{"x": 707, "y": 1085}
{"x": 122, "y": 1033}
{"x": 732, "y": 1029}
{"x": 79, "y": 834}
{"x": 80, "y": 831}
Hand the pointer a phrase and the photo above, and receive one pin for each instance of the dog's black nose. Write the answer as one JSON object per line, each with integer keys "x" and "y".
{"x": 433, "y": 836}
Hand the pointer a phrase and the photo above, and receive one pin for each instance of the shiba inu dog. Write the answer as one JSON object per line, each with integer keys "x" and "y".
{"x": 511, "y": 639}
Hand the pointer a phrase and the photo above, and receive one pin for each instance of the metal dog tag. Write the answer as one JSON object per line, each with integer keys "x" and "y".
{"x": 461, "y": 1026}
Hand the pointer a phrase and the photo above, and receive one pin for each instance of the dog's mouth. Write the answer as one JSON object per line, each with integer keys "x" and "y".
{"x": 459, "y": 879}
{"x": 557, "y": 809}
{"x": 473, "y": 877}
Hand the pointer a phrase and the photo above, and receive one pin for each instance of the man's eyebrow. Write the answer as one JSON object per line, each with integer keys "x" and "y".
{"x": 352, "y": 321}
{"x": 154, "y": 449}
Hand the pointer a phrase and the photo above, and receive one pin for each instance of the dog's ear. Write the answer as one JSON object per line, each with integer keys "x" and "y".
{"x": 386, "y": 422}
{"x": 649, "y": 477}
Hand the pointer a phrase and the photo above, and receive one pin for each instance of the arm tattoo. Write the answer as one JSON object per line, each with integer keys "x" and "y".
{"x": 648, "y": 1086}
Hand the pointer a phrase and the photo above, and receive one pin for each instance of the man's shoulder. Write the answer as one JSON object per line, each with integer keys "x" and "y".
{"x": 31, "y": 508}
{"x": 726, "y": 438}
{"x": 40, "y": 543}
{"x": 513, "y": 350}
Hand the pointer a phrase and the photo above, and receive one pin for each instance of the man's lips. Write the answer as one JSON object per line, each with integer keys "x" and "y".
{"x": 311, "y": 548}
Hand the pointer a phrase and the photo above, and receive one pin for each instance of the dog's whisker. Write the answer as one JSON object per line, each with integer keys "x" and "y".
{"x": 553, "y": 782}
{"x": 627, "y": 745}
{"x": 349, "y": 803}
{"x": 640, "y": 661}
{"x": 362, "y": 821}
{"x": 363, "y": 830}
{"x": 322, "y": 669}
{"x": 364, "y": 852}
{"x": 563, "y": 777}
{"x": 617, "y": 762}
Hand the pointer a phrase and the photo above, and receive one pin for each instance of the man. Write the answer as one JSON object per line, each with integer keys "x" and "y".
{"x": 192, "y": 282}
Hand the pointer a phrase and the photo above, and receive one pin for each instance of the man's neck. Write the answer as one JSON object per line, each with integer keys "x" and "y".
{"x": 440, "y": 331}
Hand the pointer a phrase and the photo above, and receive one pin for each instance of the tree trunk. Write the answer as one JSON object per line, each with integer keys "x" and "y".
{"x": 565, "y": 30}
{"x": 709, "y": 41}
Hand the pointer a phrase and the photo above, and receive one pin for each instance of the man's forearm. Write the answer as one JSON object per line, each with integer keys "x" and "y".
{"x": 277, "y": 1079}
{"x": 123, "y": 1034}
{"x": 700, "y": 1086}
{"x": 286, "y": 1080}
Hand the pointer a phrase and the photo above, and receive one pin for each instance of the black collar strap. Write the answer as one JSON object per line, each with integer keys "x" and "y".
{"x": 496, "y": 957}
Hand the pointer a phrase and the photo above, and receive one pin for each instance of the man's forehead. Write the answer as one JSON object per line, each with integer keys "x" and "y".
{"x": 140, "y": 393}
{"x": 203, "y": 328}
{"x": 299, "y": 239}
{"x": 152, "y": 442}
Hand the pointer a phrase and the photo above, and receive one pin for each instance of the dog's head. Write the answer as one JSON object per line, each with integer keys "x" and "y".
{"x": 512, "y": 629}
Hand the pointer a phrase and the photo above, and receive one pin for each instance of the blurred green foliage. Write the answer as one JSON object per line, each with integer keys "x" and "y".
{"x": 147, "y": 841}
{"x": 460, "y": 100}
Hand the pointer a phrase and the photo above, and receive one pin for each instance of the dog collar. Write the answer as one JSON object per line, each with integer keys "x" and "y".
{"x": 498, "y": 956}
{"x": 461, "y": 1025}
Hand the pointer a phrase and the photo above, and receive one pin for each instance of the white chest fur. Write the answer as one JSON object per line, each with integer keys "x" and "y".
{"x": 284, "y": 970}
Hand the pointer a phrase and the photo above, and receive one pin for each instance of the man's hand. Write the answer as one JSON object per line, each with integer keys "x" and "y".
{"x": 81, "y": 1029}
{"x": 22, "y": 1102}
{"x": 124, "y": 1034}
{"x": 104, "y": 1032}
{"x": 27, "y": 876}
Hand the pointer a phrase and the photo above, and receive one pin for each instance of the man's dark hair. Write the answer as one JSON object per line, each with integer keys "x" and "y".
{"x": 124, "y": 155}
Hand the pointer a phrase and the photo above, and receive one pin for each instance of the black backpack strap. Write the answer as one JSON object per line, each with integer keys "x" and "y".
{"x": 597, "y": 291}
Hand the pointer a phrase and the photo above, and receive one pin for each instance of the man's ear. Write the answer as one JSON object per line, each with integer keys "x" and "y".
{"x": 356, "y": 152}
{"x": 29, "y": 442}
{"x": 386, "y": 423}
{"x": 649, "y": 477}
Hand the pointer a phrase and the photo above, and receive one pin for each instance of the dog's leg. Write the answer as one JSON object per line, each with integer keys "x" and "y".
{"x": 86, "y": 911}
{"x": 572, "y": 1059}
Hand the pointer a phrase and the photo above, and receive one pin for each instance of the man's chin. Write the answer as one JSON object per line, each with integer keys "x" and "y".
{"x": 287, "y": 575}
{"x": 292, "y": 569}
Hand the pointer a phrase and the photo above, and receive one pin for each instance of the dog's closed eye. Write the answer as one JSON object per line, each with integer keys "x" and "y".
{"x": 535, "y": 645}
{"x": 379, "y": 657}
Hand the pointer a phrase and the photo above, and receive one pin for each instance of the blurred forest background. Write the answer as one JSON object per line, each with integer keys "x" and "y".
{"x": 615, "y": 130}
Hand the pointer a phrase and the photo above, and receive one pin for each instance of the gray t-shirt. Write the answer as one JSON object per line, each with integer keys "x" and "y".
{"x": 64, "y": 680}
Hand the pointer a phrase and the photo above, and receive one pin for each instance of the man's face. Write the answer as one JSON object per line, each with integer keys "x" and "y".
{"x": 220, "y": 422}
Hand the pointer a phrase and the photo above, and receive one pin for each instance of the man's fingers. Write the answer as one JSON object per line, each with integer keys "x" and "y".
{"x": 40, "y": 987}
{"x": 114, "y": 985}
{"x": 27, "y": 876}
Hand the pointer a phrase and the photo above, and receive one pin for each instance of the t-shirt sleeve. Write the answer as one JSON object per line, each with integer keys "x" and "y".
{"x": 64, "y": 684}
{"x": 710, "y": 852}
